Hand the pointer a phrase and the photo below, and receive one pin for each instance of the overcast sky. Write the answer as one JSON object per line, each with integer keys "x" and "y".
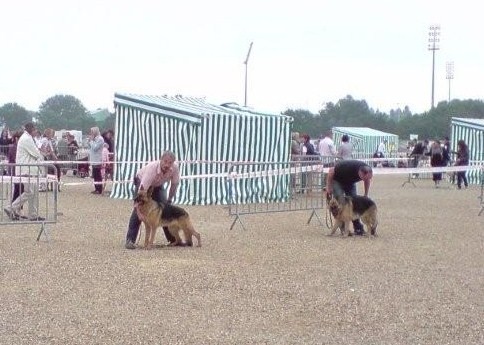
{"x": 305, "y": 53}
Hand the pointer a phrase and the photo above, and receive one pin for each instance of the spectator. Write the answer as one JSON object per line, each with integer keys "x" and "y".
{"x": 382, "y": 150}
{"x": 345, "y": 150}
{"x": 108, "y": 137}
{"x": 419, "y": 150}
{"x": 27, "y": 153}
{"x": 436, "y": 160}
{"x": 295, "y": 146}
{"x": 72, "y": 146}
{"x": 154, "y": 174}
{"x": 462, "y": 160}
{"x": 18, "y": 188}
{"x": 307, "y": 150}
{"x": 96, "y": 144}
{"x": 105, "y": 160}
{"x": 326, "y": 149}
{"x": 342, "y": 179}
{"x": 446, "y": 152}
{"x": 5, "y": 140}
{"x": 48, "y": 148}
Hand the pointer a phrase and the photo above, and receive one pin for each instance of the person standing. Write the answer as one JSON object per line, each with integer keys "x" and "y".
{"x": 345, "y": 150}
{"x": 342, "y": 179}
{"x": 326, "y": 148}
{"x": 18, "y": 188}
{"x": 462, "y": 160}
{"x": 436, "y": 160}
{"x": 96, "y": 144}
{"x": 155, "y": 174}
{"x": 27, "y": 153}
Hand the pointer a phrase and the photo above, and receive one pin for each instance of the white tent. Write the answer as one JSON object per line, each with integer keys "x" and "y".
{"x": 365, "y": 140}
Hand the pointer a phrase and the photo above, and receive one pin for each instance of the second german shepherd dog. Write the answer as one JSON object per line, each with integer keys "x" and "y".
{"x": 352, "y": 208}
{"x": 154, "y": 214}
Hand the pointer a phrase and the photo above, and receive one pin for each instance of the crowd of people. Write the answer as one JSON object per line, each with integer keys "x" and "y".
{"x": 27, "y": 148}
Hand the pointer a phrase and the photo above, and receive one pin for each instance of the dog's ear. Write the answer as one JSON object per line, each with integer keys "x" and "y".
{"x": 149, "y": 192}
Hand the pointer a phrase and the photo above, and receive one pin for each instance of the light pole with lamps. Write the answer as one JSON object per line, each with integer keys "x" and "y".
{"x": 449, "y": 67}
{"x": 434, "y": 40}
{"x": 246, "y": 62}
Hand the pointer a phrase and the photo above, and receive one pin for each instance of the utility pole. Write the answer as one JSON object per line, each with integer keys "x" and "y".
{"x": 434, "y": 40}
{"x": 246, "y": 62}
{"x": 449, "y": 67}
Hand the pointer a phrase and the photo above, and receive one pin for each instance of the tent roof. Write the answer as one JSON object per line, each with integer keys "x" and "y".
{"x": 188, "y": 109}
{"x": 363, "y": 131}
{"x": 469, "y": 121}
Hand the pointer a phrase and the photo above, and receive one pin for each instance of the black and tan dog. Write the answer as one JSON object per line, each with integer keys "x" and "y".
{"x": 352, "y": 208}
{"x": 154, "y": 215}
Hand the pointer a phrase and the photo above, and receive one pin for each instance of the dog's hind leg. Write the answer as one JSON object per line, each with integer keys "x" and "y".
{"x": 175, "y": 231}
{"x": 190, "y": 231}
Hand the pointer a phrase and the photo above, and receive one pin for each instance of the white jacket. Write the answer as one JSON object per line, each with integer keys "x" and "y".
{"x": 27, "y": 153}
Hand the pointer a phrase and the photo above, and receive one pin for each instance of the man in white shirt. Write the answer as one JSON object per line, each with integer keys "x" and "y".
{"x": 326, "y": 147}
{"x": 382, "y": 149}
{"x": 27, "y": 153}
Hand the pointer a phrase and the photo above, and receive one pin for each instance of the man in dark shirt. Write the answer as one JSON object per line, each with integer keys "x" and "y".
{"x": 342, "y": 179}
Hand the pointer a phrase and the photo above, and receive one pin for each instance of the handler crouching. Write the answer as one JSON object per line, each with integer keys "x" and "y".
{"x": 154, "y": 174}
{"x": 342, "y": 179}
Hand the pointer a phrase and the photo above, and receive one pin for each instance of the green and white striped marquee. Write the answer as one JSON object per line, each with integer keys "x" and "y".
{"x": 204, "y": 137}
{"x": 366, "y": 140}
{"x": 472, "y": 132}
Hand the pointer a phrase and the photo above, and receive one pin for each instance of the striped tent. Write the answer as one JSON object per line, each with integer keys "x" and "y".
{"x": 472, "y": 132}
{"x": 366, "y": 140}
{"x": 204, "y": 137}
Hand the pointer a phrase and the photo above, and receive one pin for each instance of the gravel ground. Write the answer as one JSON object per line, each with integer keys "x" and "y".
{"x": 280, "y": 282}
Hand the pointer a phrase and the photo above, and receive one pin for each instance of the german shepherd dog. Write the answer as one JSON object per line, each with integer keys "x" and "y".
{"x": 154, "y": 215}
{"x": 352, "y": 208}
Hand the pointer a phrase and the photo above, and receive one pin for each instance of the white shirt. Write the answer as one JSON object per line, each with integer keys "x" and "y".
{"x": 381, "y": 148}
{"x": 326, "y": 147}
{"x": 27, "y": 153}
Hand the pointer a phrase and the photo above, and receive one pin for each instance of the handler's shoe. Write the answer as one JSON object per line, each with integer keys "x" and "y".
{"x": 130, "y": 245}
{"x": 11, "y": 214}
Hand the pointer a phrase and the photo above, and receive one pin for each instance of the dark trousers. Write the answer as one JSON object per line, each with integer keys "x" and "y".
{"x": 98, "y": 178}
{"x": 461, "y": 177}
{"x": 18, "y": 188}
{"x": 339, "y": 192}
{"x": 159, "y": 195}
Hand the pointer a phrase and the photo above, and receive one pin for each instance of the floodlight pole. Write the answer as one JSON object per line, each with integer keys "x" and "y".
{"x": 246, "y": 62}
{"x": 434, "y": 40}
{"x": 450, "y": 73}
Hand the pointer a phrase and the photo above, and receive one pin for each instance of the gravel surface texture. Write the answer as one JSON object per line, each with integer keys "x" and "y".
{"x": 280, "y": 282}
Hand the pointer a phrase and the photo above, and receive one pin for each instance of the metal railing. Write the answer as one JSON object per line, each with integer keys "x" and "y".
{"x": 28, "y": 195}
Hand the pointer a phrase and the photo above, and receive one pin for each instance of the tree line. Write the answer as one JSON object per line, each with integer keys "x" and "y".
{"x": 57, "y": 112}
{"x": 68, "y": 112}
{"x": 348, "y": 112}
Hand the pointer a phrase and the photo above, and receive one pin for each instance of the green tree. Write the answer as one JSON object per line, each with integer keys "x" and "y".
{"x": 15, "y": 115}
{"x": 304, "y": 122}
{"x": 65, "y": 112}
{"x": 109, "y": 122}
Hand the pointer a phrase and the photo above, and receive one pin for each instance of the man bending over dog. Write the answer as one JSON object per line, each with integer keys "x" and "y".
{"x": 154, "y": 174}
{"x": 342, "y": 179}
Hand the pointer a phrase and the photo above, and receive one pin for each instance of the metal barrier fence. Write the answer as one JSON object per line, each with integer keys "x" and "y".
{"x": 30, "y": 196}
{"x": 276, "y": 187}
{"x": 481, "y": 197}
